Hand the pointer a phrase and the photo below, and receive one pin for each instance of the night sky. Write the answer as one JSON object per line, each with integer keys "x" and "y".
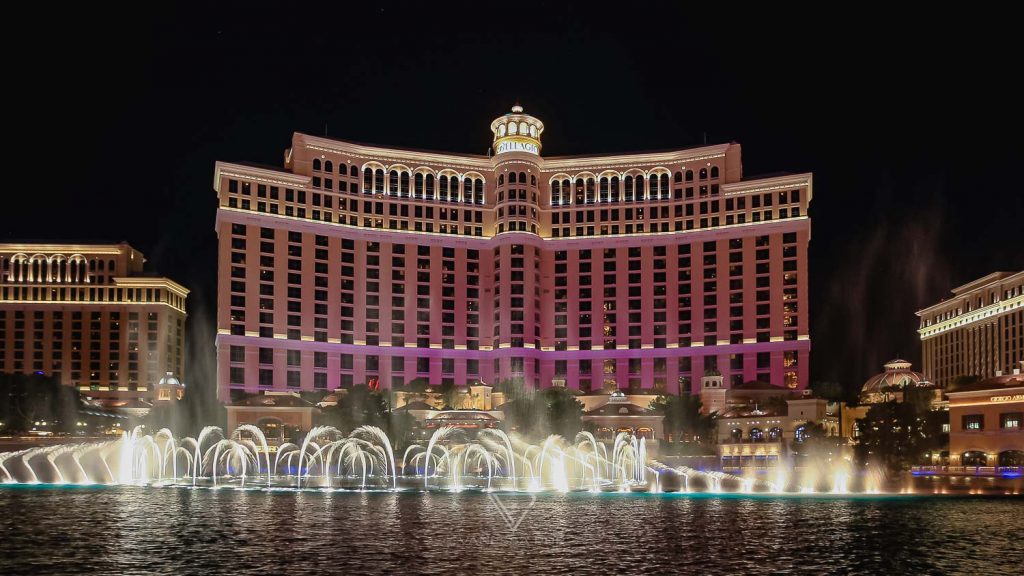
{"x": 911, "y": 125}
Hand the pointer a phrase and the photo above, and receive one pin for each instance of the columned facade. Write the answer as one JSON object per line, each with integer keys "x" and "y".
{"x": 977, "y": 332}
{"x": 87, "y": 315}
{"x": 632, "y": 271}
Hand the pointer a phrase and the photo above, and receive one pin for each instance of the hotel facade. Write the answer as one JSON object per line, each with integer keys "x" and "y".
{"x": 977, "y": 332}
{"x": 359, "y": 264}
{"x": 87, "y": 315}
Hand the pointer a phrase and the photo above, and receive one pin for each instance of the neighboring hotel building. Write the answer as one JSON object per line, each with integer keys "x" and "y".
{"x": 89, "y": 316}
{"x": 977, "y": 332}
{"x": 358, "y": 263}
{"x": 987, "y": 422}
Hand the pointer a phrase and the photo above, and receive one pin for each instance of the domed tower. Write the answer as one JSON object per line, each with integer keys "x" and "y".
{"x": 517, "y": 195}
{"x": 516, "y": 164}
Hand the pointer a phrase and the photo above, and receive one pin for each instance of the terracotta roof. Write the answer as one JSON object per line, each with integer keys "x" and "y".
{"x": 274, "y": 401}
{"x": 750, "y": 411}
{"x": 995, "y": 383}
{"x": 416, "y": 406}
{"x": 615, "y": 409}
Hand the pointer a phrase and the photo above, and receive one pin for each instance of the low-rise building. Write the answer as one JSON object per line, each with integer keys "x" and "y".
{"x": 621, "y": 412}
{"x": 987, "y": 423}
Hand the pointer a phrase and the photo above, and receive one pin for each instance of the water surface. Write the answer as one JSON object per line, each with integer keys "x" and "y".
{"x": 131, "y": 530}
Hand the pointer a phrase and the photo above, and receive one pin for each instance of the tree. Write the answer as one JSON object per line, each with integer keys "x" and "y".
{"x": 684, "y": 421}
{"x": 449, "y": 395}
{"x": 896, "y": 435}
{"x": 29, "y": 398}
{"x": 360, "y": 406}
{"x": 540, "y": 413}
{"x": 829, "y": 390}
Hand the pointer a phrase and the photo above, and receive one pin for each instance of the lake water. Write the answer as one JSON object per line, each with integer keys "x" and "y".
{"x": 130, "y": 530}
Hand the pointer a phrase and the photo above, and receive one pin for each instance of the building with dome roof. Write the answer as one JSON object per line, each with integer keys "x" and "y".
{"x": 357, "y": 263}
{"x": 889, "y": 384}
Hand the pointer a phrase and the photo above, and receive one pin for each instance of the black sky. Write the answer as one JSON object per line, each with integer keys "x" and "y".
{"x": 910, "y": 123}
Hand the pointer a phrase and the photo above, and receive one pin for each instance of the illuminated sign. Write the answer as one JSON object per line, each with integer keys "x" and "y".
{"x": 517, "y": 146}
{"x": 1014, "y": 398}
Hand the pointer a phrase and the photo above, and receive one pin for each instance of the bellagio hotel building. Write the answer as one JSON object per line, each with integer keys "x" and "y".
{"x": 87, "y": 315}
{"x": 361, "y": 264}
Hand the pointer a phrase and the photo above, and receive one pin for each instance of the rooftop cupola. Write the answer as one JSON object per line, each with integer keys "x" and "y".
{"x": 517, "y": 131}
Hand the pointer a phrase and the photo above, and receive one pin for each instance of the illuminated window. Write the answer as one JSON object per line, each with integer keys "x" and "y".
{"x": 1010, "y": 420}
{"x": 973, "y": 422}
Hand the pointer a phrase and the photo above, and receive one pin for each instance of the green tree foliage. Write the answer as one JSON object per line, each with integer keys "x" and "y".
{"x": 684, "y": 421}
{"x": 896, "y": 435}
{"x": 361, "y": 406}
{"x": 536, "y": 414}
{"x": 449, "y": 395}
{"x": 831, "y": 391}
{"x": 28, "y": 398}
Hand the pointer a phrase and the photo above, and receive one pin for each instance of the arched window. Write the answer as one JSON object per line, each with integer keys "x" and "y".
{"x": 478, "y": 191}
{"x": 353, "y": 171}
{"x": 689, "y": 175}
{"x": 342, "y": 169}
{"x": 629, "y": 188}
{"x": 678, "y": 177}
{"x": 418, "y": 185}
{"x": 652, "y": 190}
{"x": 974, "y": 458}
{"x": 800, "y": 434}
{"x": 501, "y": 179}
{"x": 533, "y": 131}
{"x": 604, "y": 189}
{"x": 501, "y": 130}
{"x": 442, "y": 187}
{"x": 523, "y": 129}
{"x": 615, "y": 189}
{"x": 736, "y": 435}
{"x": 316, "y": 164}
{"x": 639, "y": 189}
{"x": 664, "y": 187}
{"x": 714, "y": 171}
{"x": 453, "y": 189}
{"x": 556, "y": 193}
{"x": 430, "y": 187}
{"x": 775, "y": 434}
{"x": 328, "y": 166}
{"x": 579, "y": 190}
{"x": 522, "y": 177}
{"x": 533, "y": 180}
{"x": 590, "y": 191}
{"x": 513, "y": 128}
{"x": 756, "y": 435}
{"x": 405, "y": 184}
{"x": 703, "y": 173}
{"x": 467, "y": 190}
{"x": 393, "y": 184}
{"x": 378, "y": 184}
{"x": 367, "y": 180}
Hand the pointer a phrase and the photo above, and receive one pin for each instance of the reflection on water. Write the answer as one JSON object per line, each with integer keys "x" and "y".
{"x": 175, "y": 531}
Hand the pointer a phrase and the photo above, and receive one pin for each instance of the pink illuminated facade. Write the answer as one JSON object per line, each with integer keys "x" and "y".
{"x": 360, "y": 264}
